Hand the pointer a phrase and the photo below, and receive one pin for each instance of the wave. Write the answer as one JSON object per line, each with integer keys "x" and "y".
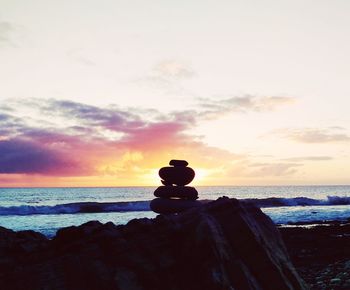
{"x": 97, "y": 207}
{"x": 299, "y": 201}
{"x": 78, "y": 207}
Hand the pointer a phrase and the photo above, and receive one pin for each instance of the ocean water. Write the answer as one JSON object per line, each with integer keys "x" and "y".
{"x": 48, "y": 209}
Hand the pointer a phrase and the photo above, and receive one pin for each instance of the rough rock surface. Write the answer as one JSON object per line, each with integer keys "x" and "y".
{"x": 221, "y": 245}
{"x": 321, "y": 254}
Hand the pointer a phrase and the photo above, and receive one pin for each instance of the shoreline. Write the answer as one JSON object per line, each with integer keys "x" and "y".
{"x": 319, "y": 252}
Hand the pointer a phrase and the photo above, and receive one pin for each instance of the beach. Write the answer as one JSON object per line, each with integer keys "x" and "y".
{"x": 320, "y": 253}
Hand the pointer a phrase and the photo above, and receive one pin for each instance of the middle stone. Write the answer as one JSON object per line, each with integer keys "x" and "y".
{"x": 184, "y": 192}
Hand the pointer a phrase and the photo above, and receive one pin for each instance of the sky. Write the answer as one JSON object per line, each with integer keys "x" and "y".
{"x": 104, "y": 93}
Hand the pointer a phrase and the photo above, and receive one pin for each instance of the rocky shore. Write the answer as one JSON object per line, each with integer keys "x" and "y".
{"x": 221, "y": 245}
{"x": 321, "y": 254}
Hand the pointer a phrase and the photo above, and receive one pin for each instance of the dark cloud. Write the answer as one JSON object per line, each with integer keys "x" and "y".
{"x": 5, "y": 118}
{"x": 23, "y": 156}
{"x": 10, "y": 125}
{"x": 113, "y": 119}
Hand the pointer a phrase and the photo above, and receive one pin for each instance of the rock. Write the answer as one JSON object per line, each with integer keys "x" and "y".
{"x": 178, "y": 163}
{"x": 320, "y": 253}
{"x": 168, "y": 206}
{"x": 224, "y": 244}
{"x": 175, "y": 199}
{"x": 335, "y": 281}
{"x": 176, "y": 175}
{"x": 16, "y": 245}
{"x": 166, "y": 183}
{"x": 185, "y": 192}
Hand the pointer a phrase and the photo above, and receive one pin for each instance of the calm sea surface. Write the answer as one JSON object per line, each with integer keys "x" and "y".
{"x": 48, "y": 209}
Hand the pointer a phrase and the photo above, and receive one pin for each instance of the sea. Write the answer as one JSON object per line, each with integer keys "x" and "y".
{"x": 48, "y": 209}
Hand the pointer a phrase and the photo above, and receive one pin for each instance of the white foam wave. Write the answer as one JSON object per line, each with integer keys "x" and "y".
{"x": 79, "y": 207}
{"x": 134, "y": 206}
{"x": 299, "y": 201}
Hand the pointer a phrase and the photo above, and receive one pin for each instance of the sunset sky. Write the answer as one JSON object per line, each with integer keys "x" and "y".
{"x": 104, "y": 93}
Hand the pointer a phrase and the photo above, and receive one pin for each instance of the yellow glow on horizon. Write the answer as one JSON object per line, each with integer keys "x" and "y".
{"x": 151, "y": 178}
{"x": 201, "y": 175}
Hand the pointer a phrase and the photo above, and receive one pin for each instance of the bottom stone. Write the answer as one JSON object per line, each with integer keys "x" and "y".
{"x": 167, "y": 206}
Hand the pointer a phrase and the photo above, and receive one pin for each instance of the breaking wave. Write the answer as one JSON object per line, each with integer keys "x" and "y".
{"x": 299, "y": 201}
{"x": 97, "y": 207}
{"x": 78, "y": 207}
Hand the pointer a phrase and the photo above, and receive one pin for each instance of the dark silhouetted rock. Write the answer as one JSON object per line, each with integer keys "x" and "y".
{"x": 168, "y": 205}
{"x": 177, "y": 175}
{"x": 185, "y": 192}
{"x": 178, "y": 163}
{"x": 174, "y": 199}
{"x": 166, "y": 183}
{"x": 220, "y": 245}
{"x": 16, "y": 247}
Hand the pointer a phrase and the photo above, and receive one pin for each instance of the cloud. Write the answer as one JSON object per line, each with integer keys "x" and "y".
{"x": 10, "y": 125}
{"x": 111, "y": 119}
{"x": 313, "y": 135}
{"x": 78, "y": 56}
{"x": 309, "y": 158}
{"x": 75, "y": 139}
{"x": 170, "y": 70}
{"x": 273, "y": 169}
{"x": 169, "y": 76}
{"x": 212, "y": 109}
{"x": 66, "y": 138}
{"x": 6, "y": 28}
{"x": 27, "y": 156}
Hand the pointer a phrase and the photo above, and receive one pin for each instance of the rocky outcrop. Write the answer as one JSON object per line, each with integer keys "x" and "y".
{"x": 224, "y": 244}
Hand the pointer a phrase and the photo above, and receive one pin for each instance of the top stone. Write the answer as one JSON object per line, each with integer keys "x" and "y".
{"x": 178, "y": 163}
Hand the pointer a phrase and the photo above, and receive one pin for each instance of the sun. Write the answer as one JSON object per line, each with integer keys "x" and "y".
{"x": 200, "y": 176}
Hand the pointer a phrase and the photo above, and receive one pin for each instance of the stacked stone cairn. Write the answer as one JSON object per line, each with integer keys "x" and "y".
{"x": 174, "y": 196}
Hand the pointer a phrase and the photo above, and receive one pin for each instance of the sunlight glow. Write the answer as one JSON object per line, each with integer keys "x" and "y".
{"x": 201, "y": 175}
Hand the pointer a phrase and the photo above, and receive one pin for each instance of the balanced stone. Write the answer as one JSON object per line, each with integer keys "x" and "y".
{"x": 185, "y": 192}
{"x": 174, "y": 196}
{"x": 176, "y": 175}
{"x": 168, "y": 206}
{"x": 166, "y": 183}
{"x": 178, "y": 163}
